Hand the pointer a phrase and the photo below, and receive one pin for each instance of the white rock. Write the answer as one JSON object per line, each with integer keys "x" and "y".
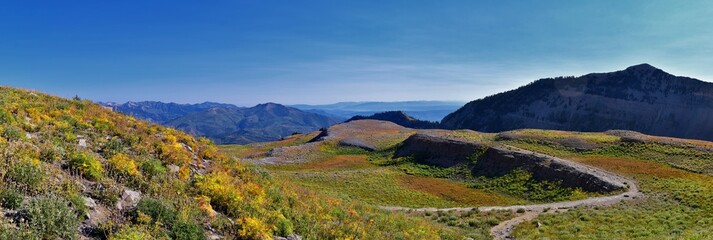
{"x": 173, "y": 168}
{"x": 128, "y": 199}
{"x": 83, "y": 142}
{"x": 90, "y": 203}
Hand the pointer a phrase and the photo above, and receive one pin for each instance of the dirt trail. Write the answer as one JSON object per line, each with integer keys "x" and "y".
{"x": 504, "y": 229}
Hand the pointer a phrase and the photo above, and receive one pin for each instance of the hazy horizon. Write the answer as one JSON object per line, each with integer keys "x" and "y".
{"x": 324, "y": 52}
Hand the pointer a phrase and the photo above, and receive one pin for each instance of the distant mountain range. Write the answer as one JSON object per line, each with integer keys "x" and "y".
{"x": 226, "y": 123}
{"x": 425, "y": 110}
{"x": 160, "y": 112}
{"x": 400, "y": 118}
{"x": 640, "y": 98}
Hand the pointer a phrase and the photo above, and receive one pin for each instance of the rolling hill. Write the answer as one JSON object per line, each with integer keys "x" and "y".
{"x": 400, "y": 118}
{"x": 641, "y": 98}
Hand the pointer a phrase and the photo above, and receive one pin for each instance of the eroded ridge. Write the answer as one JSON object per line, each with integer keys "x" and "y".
{"x": 496, "y": 160}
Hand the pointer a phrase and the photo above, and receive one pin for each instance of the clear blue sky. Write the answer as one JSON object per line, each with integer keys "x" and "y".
{"x": 247, "y": 52}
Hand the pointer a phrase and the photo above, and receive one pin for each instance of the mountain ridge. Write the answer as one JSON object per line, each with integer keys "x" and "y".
{"x": 641, "y": 98}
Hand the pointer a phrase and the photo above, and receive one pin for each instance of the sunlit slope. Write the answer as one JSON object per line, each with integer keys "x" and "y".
{"x": 72, "y": 168}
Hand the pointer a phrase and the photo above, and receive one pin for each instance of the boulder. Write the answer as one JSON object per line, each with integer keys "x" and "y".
{"x": 90, "y": 203}
{"x": 129, "y": 199}
{"x": 289, "y": 237}
{"x": 173, "y": 168}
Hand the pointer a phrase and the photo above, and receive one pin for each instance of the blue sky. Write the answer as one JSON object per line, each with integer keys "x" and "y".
{"x": 247, "y": 52}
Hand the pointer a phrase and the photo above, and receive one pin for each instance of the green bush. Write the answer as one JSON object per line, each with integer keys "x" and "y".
{"x": 284, "y": 227}
{"x": 52, "y": 218}
{"x": 77, "y": 202}
{"x": 158, "y": 211}
{"x": 13, "y": 133}
{"x": 153, "y": 167}
{"x": 27, "y": 175}
{"x": 187, "y": 231}
{"x": 131, "y": 233}
{"x": 10, "y": 199}
{"x": 111, "y": 148}
{"x": 87, "y": 165}
{"x": 11, "y": 233}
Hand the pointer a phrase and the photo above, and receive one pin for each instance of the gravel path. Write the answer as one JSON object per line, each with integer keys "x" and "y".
{"x": 504, "y": 229}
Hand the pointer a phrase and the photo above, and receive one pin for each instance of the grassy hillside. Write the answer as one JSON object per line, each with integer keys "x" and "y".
{"x": 674, "y": 174}
{"x": 72, "y": 168}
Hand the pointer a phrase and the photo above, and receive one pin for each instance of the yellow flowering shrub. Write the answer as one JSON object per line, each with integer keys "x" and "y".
{"x": 123, "y": 165}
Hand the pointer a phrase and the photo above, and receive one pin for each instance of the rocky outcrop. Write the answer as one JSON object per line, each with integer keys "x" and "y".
{"x": 438, "y": 151}
{"x": 493, "y": 161}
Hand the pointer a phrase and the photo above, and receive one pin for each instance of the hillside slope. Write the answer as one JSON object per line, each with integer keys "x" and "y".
{"x": 400, "y": 118}
{"x": 640, "y": 98}
{"x": 72, "y": 169}
{"x": 262, "y": 123}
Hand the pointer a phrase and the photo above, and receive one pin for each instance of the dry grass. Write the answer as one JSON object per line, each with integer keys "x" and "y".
{"x": 456, "y": 192}
{"x": 341, "y": 162}
{"x": 632, "y": 167}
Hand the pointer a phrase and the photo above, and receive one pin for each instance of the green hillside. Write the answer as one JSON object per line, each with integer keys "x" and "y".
{"x": 674, "y": 176}
{"x": 74, "y": 169}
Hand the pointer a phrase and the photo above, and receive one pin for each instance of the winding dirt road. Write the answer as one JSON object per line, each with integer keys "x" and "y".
{"x": 504, "y": 229}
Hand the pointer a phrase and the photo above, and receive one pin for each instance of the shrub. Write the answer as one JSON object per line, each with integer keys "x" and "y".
{"x": 123, "y": 165}
{"x": 77, "y": 202}
{"x": 10, "y": 199}
{"x": 187, "y": 231}
{"x": 131, "y": 233}
{"x": 13, "y": 133}
{"x": 520, "y": 210}
{"x": 158, "y": 211}
{"x": 174, "y": 153}
{"x": 111, "y": 148}
{"x": 51, "y": 153}
{"x": 253, "y": 228}
{"x": 27, "y": 174}
{"x": 153, "y": 167}
{"x": 106, "y": 193}
{"x": 11, "y": 233}
{"x": 284, "y": 226}
{"x": 52, "y": 218}
{"x": 87, "y": 165}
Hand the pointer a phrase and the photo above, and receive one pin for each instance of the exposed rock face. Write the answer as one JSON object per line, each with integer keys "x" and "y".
{"x": 438, "y": 151}
{"x": 641, "y": 98}
{"x": 497, "y": 161}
